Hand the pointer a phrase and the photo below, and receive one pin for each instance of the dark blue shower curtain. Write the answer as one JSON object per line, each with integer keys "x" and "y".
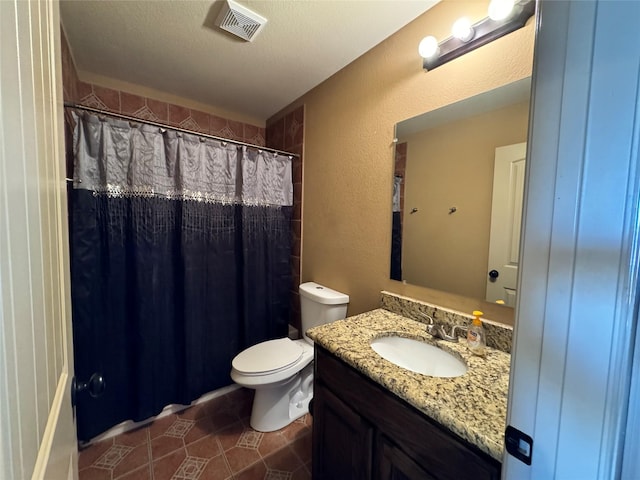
{"x": 396, "y": 231}
{"x": 166, "y": 289}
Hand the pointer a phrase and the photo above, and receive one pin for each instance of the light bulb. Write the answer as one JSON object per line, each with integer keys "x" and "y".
{"x": 500, "y": 9}
{"x": 428, "y": 47}
{"x": 462, "y": 29}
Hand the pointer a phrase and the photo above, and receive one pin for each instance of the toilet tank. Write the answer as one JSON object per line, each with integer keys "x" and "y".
{"x": 320, "y": 305}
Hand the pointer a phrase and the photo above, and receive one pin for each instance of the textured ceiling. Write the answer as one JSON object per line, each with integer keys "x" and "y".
{"x": 174, "y": 47}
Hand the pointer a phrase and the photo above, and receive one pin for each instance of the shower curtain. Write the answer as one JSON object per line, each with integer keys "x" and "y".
{"x": 180, "y": 251}
{"x": 396, "y": 231}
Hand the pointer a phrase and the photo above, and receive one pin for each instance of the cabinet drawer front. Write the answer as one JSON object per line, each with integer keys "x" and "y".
{"x": 439, "y": 451}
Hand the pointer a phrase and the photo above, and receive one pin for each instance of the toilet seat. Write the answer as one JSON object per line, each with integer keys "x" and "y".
{"x": 286, "y": 370}
{"x": 267, "y": 357}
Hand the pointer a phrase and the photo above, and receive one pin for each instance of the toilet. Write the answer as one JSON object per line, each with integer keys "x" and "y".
{"x": 281, "y": 370}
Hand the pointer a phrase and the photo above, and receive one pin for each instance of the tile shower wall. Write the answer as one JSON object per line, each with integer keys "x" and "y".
{"x": 287, "y": 133}
{"x": 146, "y": 108}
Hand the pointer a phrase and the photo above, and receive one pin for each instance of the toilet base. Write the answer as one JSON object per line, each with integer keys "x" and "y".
{"x": 276, "y": 406}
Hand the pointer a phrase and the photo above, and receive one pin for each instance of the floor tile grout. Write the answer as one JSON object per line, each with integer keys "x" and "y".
{"x": 224, "y": 457}
{"x": 149, "y": 454}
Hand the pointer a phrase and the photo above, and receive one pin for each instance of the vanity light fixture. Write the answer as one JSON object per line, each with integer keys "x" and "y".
{"x": 462, "y": 29}
{"x": 505, "y": 16}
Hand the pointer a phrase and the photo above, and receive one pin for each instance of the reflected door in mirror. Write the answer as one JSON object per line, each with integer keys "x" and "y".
{"x": 506, "y": 219}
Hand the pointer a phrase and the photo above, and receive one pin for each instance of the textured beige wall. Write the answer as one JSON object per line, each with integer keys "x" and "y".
{"x": 452, "y": 165}
{"x": 348, "y": 149}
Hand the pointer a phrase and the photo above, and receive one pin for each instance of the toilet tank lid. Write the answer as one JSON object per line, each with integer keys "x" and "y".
{"x": 322, "y": 294}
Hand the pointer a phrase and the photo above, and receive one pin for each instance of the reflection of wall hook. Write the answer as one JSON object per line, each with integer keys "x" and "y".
{"x": 452, "y": 210}
{"x": 413, "y": 210}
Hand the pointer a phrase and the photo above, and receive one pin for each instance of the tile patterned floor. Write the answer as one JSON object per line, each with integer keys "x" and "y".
{"x": 210, "y": 441}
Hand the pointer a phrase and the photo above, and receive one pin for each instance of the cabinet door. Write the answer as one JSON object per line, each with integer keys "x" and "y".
{"x": 394, "y": 464}
{"x": 342, "y": 439}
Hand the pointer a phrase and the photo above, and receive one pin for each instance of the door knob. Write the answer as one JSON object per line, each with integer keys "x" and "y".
{"x": 494, "y": 274}
{"x": 95, "y": 386}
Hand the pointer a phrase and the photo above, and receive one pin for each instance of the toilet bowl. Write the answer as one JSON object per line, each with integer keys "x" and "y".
{"x": 281, "y": 370}
{"x": 274, "y": 369}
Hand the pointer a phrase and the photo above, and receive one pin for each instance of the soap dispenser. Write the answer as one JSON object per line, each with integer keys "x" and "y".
{"x": 476, "y": 338}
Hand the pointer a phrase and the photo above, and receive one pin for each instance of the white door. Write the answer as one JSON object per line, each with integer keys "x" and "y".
{"x": 37, "y": 431}
{"x": 578, "y": 287}
{"x": 506, "y": 217}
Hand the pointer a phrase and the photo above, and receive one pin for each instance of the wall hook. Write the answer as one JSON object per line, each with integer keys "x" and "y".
{"x": 413, "y": 210}
{"x": 453, "y": 210}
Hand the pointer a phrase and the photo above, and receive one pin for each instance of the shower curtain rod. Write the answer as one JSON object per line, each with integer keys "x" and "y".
{"x": 178, "y": 129}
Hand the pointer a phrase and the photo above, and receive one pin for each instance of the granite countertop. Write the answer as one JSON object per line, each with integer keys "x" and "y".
{"x": 473, "y": 405}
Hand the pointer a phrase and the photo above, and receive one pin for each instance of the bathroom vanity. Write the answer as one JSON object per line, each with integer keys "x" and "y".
{"x": 375, "y": 420}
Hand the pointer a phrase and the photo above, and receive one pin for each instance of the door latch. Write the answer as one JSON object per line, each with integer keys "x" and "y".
{"x": 95, "y": 386}
{"x": 518, "y": 444}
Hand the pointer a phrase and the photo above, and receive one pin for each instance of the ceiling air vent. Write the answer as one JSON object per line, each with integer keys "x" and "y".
{"x": 240, "y": 21}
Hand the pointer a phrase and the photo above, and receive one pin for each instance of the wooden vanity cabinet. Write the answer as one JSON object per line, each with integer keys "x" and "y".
{"x": 394, "y": 464}
{"x": 342, "y": 440}
{"x": 362, "y": 431}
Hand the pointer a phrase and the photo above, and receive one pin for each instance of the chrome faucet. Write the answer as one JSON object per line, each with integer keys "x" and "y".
{"x": 428, "y": 317}
{"x": 437, "y": 330}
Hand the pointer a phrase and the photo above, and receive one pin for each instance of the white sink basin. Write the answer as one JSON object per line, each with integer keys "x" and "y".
{"x": 419, "y": 357}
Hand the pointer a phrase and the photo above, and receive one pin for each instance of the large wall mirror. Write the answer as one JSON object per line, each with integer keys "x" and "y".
{"x": 457, "y": 201}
